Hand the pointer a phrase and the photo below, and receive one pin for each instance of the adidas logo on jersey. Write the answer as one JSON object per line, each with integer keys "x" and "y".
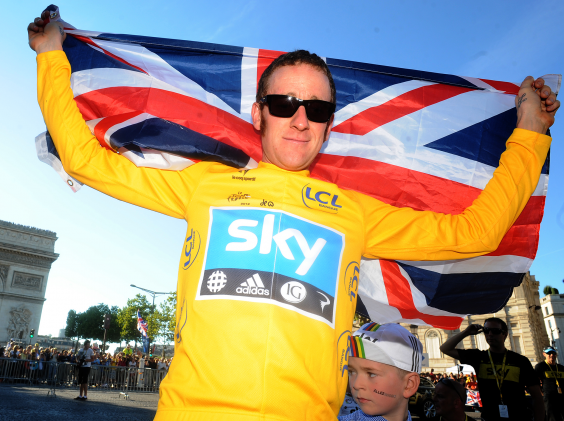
{"x": 253, "y": 286}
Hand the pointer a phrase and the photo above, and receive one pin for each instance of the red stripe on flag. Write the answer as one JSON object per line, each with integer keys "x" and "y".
{"x": 401, "y": 187}
{"x": 265, "y": 57}
{"x": 89, "y": 41}
{"x": 521, "y": 240}
{"x": 177, "y": 108}
{"x": 505, "y": 87}
{"x": 102, "y": 127}
{"x": 399, "y": 295}
{"x": 415, "y": 100}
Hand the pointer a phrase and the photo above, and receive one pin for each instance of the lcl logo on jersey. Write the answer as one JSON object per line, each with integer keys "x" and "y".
{"x": 319, "y": 199}
{"x": 191, "y": 248}
{"x": 272, "y": 256}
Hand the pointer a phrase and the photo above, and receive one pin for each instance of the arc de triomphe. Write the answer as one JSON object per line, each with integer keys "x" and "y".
{"x": 26, "y": 255}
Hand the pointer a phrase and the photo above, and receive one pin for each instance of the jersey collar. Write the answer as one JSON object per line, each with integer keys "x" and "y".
{"x": 262, "y": 164}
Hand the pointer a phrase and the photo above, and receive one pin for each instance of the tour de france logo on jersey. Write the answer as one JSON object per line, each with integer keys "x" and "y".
{"x": 271, "y": 256}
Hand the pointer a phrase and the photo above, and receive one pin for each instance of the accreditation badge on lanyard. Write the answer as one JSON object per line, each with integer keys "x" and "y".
{"x": 503, "y": 412}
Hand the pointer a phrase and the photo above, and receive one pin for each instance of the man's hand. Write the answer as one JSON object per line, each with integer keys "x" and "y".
{"x": 44, "y": 37}
{"x": 473, "y": 329}
{"x": 536, "y": 105}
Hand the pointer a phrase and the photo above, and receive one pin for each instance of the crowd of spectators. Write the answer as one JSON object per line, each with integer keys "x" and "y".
{"x": 38, "y": 363}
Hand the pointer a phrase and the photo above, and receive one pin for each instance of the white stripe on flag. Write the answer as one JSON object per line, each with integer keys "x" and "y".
{"x": 248, "y": 81}
{"x": 377, "y": 98}
{"x": 482, "y": 264}
{"x": 54, "y": 162}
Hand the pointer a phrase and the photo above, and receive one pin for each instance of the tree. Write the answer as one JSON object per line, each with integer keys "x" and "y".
{"x": 167, "y": 318}
{"x": 114, "y": 332}
{"x": 548, "y": 290}
{"x": 71, "y": 330}
{"x": 127, "y": 317}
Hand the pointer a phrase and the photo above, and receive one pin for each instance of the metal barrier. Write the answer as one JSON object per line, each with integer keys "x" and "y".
{"x": 64, "y": 375}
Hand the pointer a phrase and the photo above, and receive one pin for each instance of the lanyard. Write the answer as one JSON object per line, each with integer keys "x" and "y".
{"x": 500, "y": 380}
{"x": 556, "y": 377}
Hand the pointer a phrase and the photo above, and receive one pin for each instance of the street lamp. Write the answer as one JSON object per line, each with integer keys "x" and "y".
{"x": 154, "y": 294}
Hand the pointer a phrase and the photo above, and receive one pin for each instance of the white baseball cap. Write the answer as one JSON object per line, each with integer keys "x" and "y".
{"x": 389, "y": 344}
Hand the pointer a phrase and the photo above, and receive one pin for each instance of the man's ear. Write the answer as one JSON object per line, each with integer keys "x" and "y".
{"x": 256, "y": 114}
{"x": 411, "y": 382}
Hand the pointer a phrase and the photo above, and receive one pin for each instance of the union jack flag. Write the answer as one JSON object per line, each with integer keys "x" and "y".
{"x": 473, "y": 398}
{"x": 142, "y": 325}
{"x": 409, "y": 138}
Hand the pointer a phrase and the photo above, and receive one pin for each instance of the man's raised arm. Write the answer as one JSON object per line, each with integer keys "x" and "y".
{"x": 449, "y": 347}
{"x": 82, "y": 156}
{"x": 406, "y": 234}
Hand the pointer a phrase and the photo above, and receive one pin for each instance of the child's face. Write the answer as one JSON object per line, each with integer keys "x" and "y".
{"x": 377, "y": 388}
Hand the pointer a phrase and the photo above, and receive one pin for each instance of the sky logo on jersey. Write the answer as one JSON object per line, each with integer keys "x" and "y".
{"x": 319, "y": 199}
{"x": 273, "y": 256}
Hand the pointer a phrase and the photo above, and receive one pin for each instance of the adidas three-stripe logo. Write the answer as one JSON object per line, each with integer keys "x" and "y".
{"x": 253, "y": 286}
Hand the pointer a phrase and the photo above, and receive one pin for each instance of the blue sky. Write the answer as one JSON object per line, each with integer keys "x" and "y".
{"x": 106, "y": 245}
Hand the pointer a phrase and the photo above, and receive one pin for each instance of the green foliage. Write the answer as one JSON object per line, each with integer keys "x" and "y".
{"x": 128, "y": 318}
{"x": 91, "y": 322}
{"x": 548, "y": 290}
{"x": 114, "y": 332}
{"x": 71, "y": 330}
{"x": 123, "y": 325}
{"x": 167, "y": 318}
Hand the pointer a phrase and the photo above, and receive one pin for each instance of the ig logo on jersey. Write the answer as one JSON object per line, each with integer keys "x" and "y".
{"x": 293, "y": 292}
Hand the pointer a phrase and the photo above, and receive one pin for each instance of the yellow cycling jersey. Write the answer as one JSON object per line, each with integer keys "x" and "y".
{"x": 268, "y": 273}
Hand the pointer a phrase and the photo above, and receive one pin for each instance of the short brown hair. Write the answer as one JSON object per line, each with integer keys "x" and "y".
{"x": 292, "y": 59}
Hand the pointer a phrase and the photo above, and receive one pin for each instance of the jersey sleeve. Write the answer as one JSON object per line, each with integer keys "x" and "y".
{"x": 82, "y": 156}
{"x": 406, "y": 234}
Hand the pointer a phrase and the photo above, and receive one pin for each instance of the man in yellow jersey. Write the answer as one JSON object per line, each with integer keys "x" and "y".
{"x": 264, "y": 307}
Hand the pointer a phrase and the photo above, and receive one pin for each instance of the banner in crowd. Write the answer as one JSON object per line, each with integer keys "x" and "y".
{"x": 409, "y": 138}
{"x": 142, "y": 325}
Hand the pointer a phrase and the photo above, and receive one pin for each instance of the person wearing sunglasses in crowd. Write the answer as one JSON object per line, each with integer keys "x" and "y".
{"x": 450, "y": 400}
{"x": 551, "y": 375}
{"x": 267, "y": 249}
{"x": 502, "y": 375}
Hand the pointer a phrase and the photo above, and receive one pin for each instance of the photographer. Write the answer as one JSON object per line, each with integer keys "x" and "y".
{"x": 502, "y": 374}
{"x": 85, "y": 358}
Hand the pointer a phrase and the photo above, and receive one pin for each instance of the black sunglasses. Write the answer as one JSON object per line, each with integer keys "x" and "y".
{"x": 448, "y": 383}
{"x": 286, "y": 106}
{"x": 494, "y": 330}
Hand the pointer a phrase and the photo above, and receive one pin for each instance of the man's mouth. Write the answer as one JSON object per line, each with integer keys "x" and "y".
{"x": 291, "y": 139}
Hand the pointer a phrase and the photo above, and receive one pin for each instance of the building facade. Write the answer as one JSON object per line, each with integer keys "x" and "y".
{"x": 26, "y": 255}
{"x": 522, "y": 313}
{"x": 553, "y": 313}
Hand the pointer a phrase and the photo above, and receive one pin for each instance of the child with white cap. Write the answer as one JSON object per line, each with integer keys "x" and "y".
{"x": 384, "y": 365}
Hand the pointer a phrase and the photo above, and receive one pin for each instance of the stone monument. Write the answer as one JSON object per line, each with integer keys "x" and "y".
{"x": 26, "y": 255}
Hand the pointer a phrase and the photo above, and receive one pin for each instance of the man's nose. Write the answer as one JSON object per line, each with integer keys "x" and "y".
{"x": 299, "y": 119}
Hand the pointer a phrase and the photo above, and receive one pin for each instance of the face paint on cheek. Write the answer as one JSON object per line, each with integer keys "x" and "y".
{"x": 384, "y": 394}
